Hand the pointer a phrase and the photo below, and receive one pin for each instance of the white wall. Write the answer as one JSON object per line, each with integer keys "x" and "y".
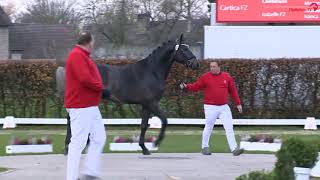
{"x": 262, "y": 41}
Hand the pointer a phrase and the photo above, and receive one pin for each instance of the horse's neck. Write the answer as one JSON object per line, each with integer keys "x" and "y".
{"x": 162, "y": 63}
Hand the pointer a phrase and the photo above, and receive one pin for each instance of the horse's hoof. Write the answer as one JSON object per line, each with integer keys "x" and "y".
{"x": 156, "y": 144}
{"x": 146, "y": 152}
{"x": 65, "y": 151}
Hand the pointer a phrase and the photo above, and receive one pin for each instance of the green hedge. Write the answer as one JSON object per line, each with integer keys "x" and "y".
{"x": 279, "y": 88}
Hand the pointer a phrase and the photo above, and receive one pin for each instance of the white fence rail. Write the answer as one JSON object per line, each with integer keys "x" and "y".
{"x": 171, "y": 121}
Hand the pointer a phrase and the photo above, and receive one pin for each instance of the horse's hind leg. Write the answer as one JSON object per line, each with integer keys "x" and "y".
{"x": 155, "y": 109}
{"x": 68, "y": 136}
{"x": 144, "y": 127}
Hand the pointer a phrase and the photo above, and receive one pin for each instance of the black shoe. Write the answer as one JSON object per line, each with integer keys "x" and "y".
{"x": 88, "y": 177}
{"x": 237, "y": 151}
{"x": 206, "y": 151}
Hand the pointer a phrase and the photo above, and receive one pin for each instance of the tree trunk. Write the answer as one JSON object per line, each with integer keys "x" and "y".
{"x": 4, "y": 107}
{"x": 43, "y": 107}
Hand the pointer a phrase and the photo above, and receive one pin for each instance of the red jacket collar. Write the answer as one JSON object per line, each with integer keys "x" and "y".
{"x": 83, "y": 50}
{"x": 215, "y": 74}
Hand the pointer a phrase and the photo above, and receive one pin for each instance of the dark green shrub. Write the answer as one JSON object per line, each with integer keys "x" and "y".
{"x": 303, "y": 154}
{"x": 257, "y": 175}
{"x": 284, "y": 166}
{"x": 293, "y": 153}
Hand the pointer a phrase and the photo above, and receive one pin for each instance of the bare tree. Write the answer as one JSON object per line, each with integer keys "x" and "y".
{"x": 168, "y": 10}
{"x": 111, "y": 17}
{"x": 50, "y": 12}
{"x": 121, "y": 20}
{"x": 166, "y": 13}
{"x": 10, "y": 10}
{"x": 150, "y": 7}
{"x": 187, "y": 8}
{"x": 160, "y": 10}
{"x": 96, "y": 12}
{"x": 191, "y": 9}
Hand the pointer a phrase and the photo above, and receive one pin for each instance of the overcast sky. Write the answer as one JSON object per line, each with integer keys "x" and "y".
{"x": 19, "y": 4}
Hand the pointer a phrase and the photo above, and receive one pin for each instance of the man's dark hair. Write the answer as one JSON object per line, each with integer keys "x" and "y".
{"x": 84, "y": 38}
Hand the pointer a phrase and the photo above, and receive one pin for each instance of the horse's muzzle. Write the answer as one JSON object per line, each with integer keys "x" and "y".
{"x": 194, "y": 64}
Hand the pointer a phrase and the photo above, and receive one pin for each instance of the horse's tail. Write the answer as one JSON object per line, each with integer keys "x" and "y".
{"x": 60, "y": 81}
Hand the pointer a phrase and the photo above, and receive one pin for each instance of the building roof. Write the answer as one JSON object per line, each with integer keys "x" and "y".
{"x": 38, "y": 41}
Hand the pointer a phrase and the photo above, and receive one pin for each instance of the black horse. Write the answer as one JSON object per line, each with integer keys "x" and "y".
{"x": 143, "y": 83}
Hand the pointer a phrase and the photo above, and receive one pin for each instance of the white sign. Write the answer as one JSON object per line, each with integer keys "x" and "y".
{"x": 39, "y": 148}
{"x": 130, "y": 146}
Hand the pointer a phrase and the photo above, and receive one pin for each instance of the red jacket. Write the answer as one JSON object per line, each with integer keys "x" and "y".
{"x": 216, "y": 88}
{"x": 83, "y": 81}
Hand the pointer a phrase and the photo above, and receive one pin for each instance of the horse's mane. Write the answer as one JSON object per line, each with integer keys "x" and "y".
{"x": 157, "y": 50}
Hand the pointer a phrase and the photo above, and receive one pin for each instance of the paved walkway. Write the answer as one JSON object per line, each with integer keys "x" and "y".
{"x": 162, "y": 166}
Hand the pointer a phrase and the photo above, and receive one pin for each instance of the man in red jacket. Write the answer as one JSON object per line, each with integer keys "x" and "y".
{"x": 217, "y": 86}
{"x": 83, "y": 93}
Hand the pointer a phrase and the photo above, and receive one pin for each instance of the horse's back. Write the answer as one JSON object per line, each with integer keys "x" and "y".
{"x": 131, "y": 83}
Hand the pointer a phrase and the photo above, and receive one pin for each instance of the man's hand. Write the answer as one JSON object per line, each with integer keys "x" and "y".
{"x": 239, "y": 107}
{"x": 182, "y": 85}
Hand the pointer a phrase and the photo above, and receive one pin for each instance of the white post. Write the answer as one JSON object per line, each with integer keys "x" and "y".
{"x": 310, "y": 124}
{"x": 213, "y": 14}
{"x": 155, "y": 123}
{"x": 9, "y": 122}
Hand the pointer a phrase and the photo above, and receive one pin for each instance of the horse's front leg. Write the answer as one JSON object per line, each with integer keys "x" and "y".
{"x": 155, "y": 109}
{"x": 144, "y": 127}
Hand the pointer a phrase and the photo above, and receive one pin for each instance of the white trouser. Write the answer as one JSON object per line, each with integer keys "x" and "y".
{"x": 84, "y": 121}
{"x": 222, "y": 112}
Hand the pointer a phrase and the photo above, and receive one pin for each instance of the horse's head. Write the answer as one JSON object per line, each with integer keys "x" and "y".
{"x": 184, "y": 55}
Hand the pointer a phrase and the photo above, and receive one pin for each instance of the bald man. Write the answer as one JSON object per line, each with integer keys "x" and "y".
{"x": 217, "y": 86}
